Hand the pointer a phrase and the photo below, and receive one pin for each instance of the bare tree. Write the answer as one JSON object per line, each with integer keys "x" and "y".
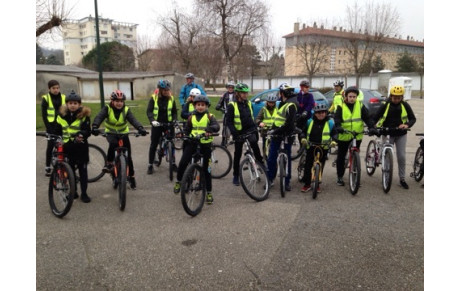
{"x": 233, "y": 21}
{"x": 369, "y": 24}
{"x": 50, "y": 14}
{"x": 272, "y": 57}
{"x": 209, "y": 59}
{"x": 142, "y": 53}
{"x": 314, "y": 54}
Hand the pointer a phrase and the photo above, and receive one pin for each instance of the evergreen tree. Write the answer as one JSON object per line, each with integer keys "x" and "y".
{"x": 114, "y": 57}
{"x": 406, "y": 63}
{"x": 39, "y": 58}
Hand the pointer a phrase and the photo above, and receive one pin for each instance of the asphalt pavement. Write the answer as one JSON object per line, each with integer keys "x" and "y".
{"x": 371, "y": 241}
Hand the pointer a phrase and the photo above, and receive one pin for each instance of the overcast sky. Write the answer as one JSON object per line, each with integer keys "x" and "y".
{"x": 283, "y": 14}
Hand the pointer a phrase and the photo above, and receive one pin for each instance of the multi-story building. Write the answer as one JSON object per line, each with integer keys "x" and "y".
{"x": 337, "y": 57}
{"x": 79, "y": 36}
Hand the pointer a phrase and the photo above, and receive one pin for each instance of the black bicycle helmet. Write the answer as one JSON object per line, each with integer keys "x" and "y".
{"x": 320, "y": 107}
{"x": 242, "y": 87}
{"x": 351, "y": 89}
{"x": 339, "y": 83}
{"x": 73, "y": 97}
{"x": 164, "y": 84}
{"x": 118, "y": 95}
{"x": 201, "y": 98}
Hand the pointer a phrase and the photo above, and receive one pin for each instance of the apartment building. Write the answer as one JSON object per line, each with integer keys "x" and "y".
{"x": 337, "y": 57}
{"x": 79, "y": 36}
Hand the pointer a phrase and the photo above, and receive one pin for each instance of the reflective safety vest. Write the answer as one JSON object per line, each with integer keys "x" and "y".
{"x": 68, "y": 130}
{"x": 113, "y": 125}
{"x": 236, "y": 117}
{"x": 338, "y": 100}
{"x": 191, "y": 107}
{"x": 326, "y": 137}
{"x": 155, "y": 107}
{"x": 50, "y": 111}
{"x": 269, "y": 118}
{"x": 360, "y": 97}
{"x": 280, "y": 116}
{"x": 403, "y": 115}
{"x": 352, "y": 121}
{"x": 198, "y": 127}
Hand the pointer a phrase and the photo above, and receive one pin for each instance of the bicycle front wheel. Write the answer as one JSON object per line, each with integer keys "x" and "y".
{"x": 61, "y": 189}
{"x": 282, "y": 170}
{"x": 170, "y": 161}
{"x": 178, "y": 140}
{"x": 418, "y": 165}
{"x": 315, "y": 180}
{"x": 371, "y": 157}
{"x": 193, "y": 190}
{"x": 122, "y": 170}
{"x": 97, "y": 161}
{"x": 354, "y": 174}
{"x": 297, "y": 149}
{"x": 221, "y": 162}
{"x": 387, "y": 170}
{"x": 301, "y": 167}
{"x": 254, "y": 179}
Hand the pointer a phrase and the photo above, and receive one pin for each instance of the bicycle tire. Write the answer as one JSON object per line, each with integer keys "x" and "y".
{"x": 301, "y": 167}
{"x": 387, "y": 170}
{"x": 282, "y": 169}
{"x": 170, "y": 161}
{"x": 315, "y": 181}
{"x": 96, "y": 163}
{"x": 160, "y": 151}
{"x": 221, "y": 161}
{"x": 371, "y": 157}
{"x": 178, "y": 140}
{"x": 61, "y": 191}
{"x": 193, "y": 190}
{"x": 122, "y": 179}
{"x": 354, "y": 174}
{"x": 296, "y": 150}
{"x": 418, "y": 164}
{"x": 254, "y": 180}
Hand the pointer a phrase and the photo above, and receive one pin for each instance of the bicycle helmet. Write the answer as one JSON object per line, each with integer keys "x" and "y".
{"x": 272, "y": 98}
{"x": 195, "y": 92}
{"x": 305, "y": 83}
{"x": 339, "y": 83}
{"x": 352, "y": 89}
{"x": 73, "y": 97}
{"x": 287, "y": 90}
{"x": 397, "y": 91}
{"x": 230, "y": 84}
{"x": 118, "y": 95}
{"x": 201, "y": 98}
{"x": 241, "y": 87}
{"x": 164, "y": 84}
{"x": 320, "y": 107}
{"x": 189, "y": 76}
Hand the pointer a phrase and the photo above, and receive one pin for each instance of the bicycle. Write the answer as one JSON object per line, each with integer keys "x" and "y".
{"x": 353, "y": 164}
{"x": 62, "y": 185}
{"x": 253, "y": 175}
{"x": 167, "y": 148}
{"x": 317, "y": 168}
{"x": 418, "y": 164}
{"x": 97, "y": 161}
{"x": 221, "y": 161}
{"x": 178, "y": 133}
{"x": 193, "y": 184}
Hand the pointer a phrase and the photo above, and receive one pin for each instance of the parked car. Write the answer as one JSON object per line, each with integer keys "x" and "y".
{"x": 258, "y": 100}
{"x": 372, "y": 99}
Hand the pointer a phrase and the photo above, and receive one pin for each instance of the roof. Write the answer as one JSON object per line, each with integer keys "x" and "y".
{"x": 61, "y": 69}
{"x": 347, "y": 35}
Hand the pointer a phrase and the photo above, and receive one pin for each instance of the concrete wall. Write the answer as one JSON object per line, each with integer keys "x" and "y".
{"x": 67, "y": 83}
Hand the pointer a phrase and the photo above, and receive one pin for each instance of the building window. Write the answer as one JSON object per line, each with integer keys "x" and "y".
{"x": 340, "y": 52}
{"x": 103, "y": 31}
{"x": 128, "y": 36}
{"x": 130, "y": 29}
{"x": 339, "y": 62}
{"x": 82, "y": 25}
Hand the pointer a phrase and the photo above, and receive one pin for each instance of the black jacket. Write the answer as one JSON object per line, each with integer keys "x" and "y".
{"x": 57, "y": 102}
{"x": 393, "y": 118}
{"x": 247, "y": 120}
{"x": 290, "y": 124}
{"x": 338, "y": 119}
{"x": 162, "y": 110}
{"x": 212, "y": 127}
{"x": 104, "y": 113}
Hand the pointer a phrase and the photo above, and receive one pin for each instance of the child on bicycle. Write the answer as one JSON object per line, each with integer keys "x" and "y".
{"x": 73, "y": 123}
{"x": 200, "y": 122}
{"x": 266, "y": 117}
{"x": 222, "y": 105}
{"x": 116, "y": 116}
{"x": 50, "y": 105}
{"x": 319, "y": 129}
{"x": 351, "y": 116}
{"x": 188, "y": 107}
{"x": 161, "y": 109}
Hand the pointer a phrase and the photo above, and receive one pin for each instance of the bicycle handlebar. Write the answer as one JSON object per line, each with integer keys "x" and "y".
{"x": 120, "y": 134}
{"x": 199, "y": 136}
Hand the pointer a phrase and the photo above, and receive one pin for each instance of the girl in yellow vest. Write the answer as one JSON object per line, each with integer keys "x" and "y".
{"x": 266, "y": 117}
{"x": 200, "y": 122}
{"x": 51, "y": 103}
{"x": 73, "y": 123}
{"x": 351, "y": 115}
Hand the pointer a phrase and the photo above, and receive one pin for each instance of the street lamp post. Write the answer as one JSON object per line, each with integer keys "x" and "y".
{"x": 99, "y": 60}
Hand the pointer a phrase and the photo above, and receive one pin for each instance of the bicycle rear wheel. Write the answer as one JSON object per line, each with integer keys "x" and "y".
{"x": 178, "y": 141}
{"x": 61, "y": 189}
{"x": 221, "y": 162}
{"x": 297, "y": 149}
{"x": 254, "y": 180}
{"x": 315, "y": 180}
{"x": 418, "y": 165}
{"x": 282, "y": 170}
{"x": 301, "y": 167}
{"x": 354, "y": 174}
{"x": 97, "y": 160}
{"x": 371, "y": 157}
{"x": 122, "y": 170}
{"x": 193, "y": 190}
{"x": 387, "y": 170}
{"x": 170, "y": 159}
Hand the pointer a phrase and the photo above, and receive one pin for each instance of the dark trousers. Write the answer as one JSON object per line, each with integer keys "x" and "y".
{"x": 155, "y": 139}
{"x": 187, "y": 155}
{"x": 239, "y": 151}
{"x": 83, "y": 173}
{"x": 113, "y": 144}
{"x": 309, "y": 164}
{"x": 49, "y": 152}
{"x": 341, "y": 153}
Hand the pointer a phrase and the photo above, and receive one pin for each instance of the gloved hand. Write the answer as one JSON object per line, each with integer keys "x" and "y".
{"x": 218, "y": 107}
{"x": 372, "y": 131}
{"x": 271, "y": 132}
{"x": 155, "y": 123}
{"x": 142, "y": 131}
{"x": 303, "y": 141}
{"x": 304, "y": 114}
{"x": 340, "y": 129}
{"x": 95, "y": 131}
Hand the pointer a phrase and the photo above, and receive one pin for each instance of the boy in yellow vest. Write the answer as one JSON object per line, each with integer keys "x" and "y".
{"x": 189, "y": 107}
{"x": 116, "y": 116}
{"x": 50, "y": 105}
{"x": 200, "y": 122}
{"x": 73, "y": 123}
{"x": 265, "y": 119}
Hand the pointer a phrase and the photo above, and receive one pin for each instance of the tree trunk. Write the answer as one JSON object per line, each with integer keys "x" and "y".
{"x": 54, "y": 21}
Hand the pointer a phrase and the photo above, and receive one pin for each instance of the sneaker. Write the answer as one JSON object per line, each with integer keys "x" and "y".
{"x": 132, "y": 182}
{"x": 340, "y": 182}
{"x": 85, "y": 198}
{"x": 107, "y": 168}
{"x": 288, "y": 187}
{"x": 236, "y": 181}
{"x": 209, "y": 198}
{"x": 272, "y": 183}
{"x": 305, "y": 188}
{"x": 177, "y": 187}
{"x": 319, "y": 190}
{"x": 48, "y": 171}
{"x": 403, "y": 184}
{"x": 150, "y": 169}
{"x": 75, "y": 195}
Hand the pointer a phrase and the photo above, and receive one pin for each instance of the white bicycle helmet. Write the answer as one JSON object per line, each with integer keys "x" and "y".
{"x": 195, "y": 92}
